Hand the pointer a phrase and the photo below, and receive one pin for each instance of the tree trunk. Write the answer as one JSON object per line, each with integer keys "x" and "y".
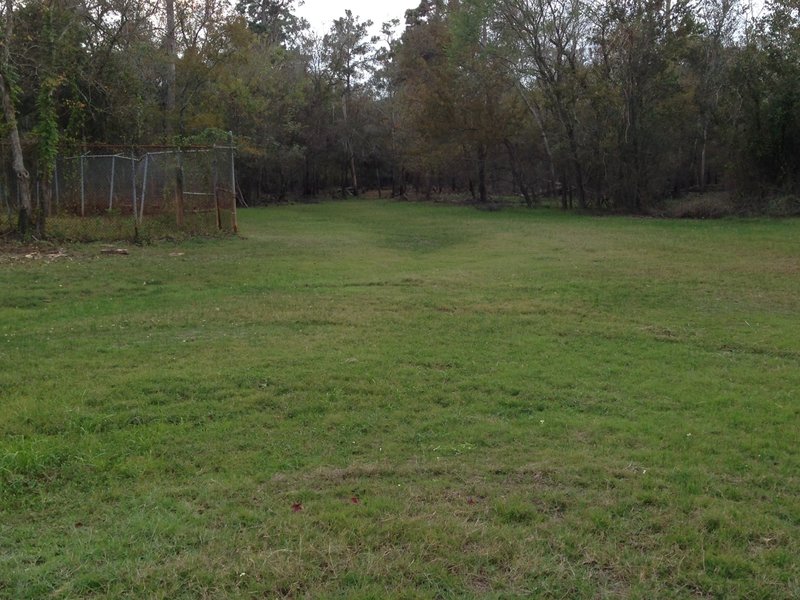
{"x": 351, "y": 158}
{"x": 170, "y": 47}
{"x": 401, "y": 184}
{"x": 306, "y": 176}
{"x": 428, "y": 185}
{"x": 353, "y": 176}
{"x": 46, "y": 204}
{"x": 10, "y": 114}
{"x": 516, "y": 173}
{"x": 576, "y": 162}
{"x": 533, "y": 108}
{"x": 703, "y": 178}
{"x": 483, "y": 197}
{"x": 18, "y": 160}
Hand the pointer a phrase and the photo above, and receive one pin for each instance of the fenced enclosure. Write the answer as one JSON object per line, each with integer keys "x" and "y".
{"x": 110, "y": 194}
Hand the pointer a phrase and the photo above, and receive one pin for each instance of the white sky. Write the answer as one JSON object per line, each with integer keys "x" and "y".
{"x": 321, "y": 13}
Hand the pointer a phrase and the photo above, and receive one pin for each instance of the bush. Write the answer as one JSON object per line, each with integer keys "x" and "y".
{"x": 712, "y": 205}
{"x": 784, "y": 206}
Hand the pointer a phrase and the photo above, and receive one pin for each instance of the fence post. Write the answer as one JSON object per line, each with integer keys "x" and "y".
{"x": 234, "y": 219}
{"x": 144, "y": 187}
{"x": 83, "y": 191}
{"x": 111, "y": 190}
{"x": 133, "y": 184}
{"x": 214, "y": 185}
{"x": 55, "y": 185}
{"x": 179, "y": 189}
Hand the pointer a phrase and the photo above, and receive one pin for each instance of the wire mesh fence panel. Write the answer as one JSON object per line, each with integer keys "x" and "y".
{"x": 167, "y": 193}
{"x": 187, "y": 186}
{"x": 7, "y": 208}
{"x": 159, "y": 175}
{"x": 199, "y": 173}
{"x": 6, "y": 223}
{"x": 9, "y": 198}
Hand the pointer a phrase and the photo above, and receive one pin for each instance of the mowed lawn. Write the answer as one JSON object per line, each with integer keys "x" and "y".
{"x": 372, "y": 400}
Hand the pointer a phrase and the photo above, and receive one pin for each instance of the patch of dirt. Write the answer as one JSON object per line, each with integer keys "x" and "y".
{"x": 12, "y": 253}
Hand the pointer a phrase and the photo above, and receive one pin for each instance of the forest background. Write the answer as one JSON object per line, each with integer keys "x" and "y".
{"x": 619, "y": 105}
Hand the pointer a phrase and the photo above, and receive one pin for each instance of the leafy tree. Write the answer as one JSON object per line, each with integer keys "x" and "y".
{"x": 272, "y": 19}
{"x": 641, "y": 45}
{"x": 482, "y": 86}
{"x": 624, "y": 103}
{"x": 548, "y": 40}
{"x": 767, "y": 79}
{"x": 712, "y": 60}
{"x": 8, "y": 90}
{"x": 349, "y": 59}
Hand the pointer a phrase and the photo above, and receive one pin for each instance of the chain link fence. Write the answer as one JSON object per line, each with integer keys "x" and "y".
{"x": 7, "y": 207}
{"x": 165, "y": 193}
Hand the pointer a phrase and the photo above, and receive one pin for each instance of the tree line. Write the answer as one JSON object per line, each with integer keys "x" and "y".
{"x": 605, "y": 104}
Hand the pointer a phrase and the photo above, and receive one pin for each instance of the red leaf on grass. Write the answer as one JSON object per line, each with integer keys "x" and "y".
{"x": 355, "y": 500}
{"x": 297, "y": 507}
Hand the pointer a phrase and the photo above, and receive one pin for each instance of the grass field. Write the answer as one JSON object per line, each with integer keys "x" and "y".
{"x": 373, "y": 400}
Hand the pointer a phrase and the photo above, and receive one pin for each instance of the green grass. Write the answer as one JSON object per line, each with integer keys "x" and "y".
{"x": 523, "y": 403}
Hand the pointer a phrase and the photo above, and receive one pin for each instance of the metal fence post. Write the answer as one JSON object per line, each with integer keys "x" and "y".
{"x": 133, "y": 185}
{"x": 234, "y": 219}
{"x": 214, "y": 185}
{"x": 55, "y": 185}
{"x": 179, "y": 189}
{"x": 83, "y": 190}
{"x": 144, "y": 188}
{"x": 111, "y": 189}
